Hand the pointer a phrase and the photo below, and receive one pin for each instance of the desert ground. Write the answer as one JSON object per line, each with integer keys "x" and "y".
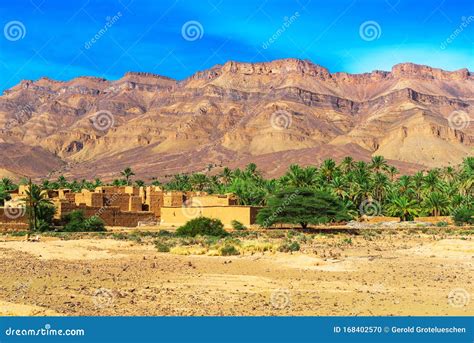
{"x": 362, "y": 272}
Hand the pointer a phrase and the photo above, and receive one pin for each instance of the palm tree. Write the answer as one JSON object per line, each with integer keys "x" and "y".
{"x": 339, "y": 187}
{"x": 436, "y": 204}
{"x": 347, "y": 164}
{"x": 127, "y": 173}
{"x": 431, "y": 182}
{"x": 392, "y": 171}
{"x": 378, "y": 163}
{"x": 7, "y": 184}
{"x": 380, "y": 186}
{"x": 140, "y": 183}
{"x": 328, "y": 169}
{"x": 300, "y": 177}
{"x": 4, "y": 195}
{"x": 199, "y": 182}
{"x": 402, "y": 207}
{"x": 35, "y": 197}
{"x": 226, "y": 176}
{"x": 251, "y": 170}
{"x": 62, "y": 181}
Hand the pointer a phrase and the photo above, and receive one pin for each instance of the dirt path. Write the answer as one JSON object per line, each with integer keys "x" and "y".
{"x": 419, "y": 275}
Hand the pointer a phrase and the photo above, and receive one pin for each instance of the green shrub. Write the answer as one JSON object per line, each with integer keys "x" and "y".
{"x": 289, "y": 247}
{"x": 76, "y": 222}
{"x": 120, "y": 236}
{"x": 165, "y": 233}
{"x": 202, "y": 226}
{"x": 229, "y": 250}
{"x": 441, "y": 224}
{"x": 161, "y": 247}
{"x": 94, "y": 224}
{"x": 463, "y": 215}
{"x": 347, "y": 240}
{"x": 236, "y": 225}
{"x": 45, "y": 217}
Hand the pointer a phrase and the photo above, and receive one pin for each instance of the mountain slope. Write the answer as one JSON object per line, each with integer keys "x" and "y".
{"x": 286, "y": 111}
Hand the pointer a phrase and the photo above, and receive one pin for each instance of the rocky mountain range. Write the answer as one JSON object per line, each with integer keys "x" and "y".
{"x": 274, "y": 114}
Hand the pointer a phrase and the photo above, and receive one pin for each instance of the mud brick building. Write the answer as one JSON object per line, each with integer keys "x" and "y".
{"x": 222, "y": 207}
{"x": 130, "y": 206}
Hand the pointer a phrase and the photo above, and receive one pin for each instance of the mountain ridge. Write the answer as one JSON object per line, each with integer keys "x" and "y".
{"x": 240, "y": 112}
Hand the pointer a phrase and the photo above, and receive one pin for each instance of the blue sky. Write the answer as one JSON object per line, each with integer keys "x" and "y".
{"x": 53, "y": 38}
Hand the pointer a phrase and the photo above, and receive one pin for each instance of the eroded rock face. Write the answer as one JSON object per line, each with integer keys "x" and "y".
{"x": 280, "y": 110}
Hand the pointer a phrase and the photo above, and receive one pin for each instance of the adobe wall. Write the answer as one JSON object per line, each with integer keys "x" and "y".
{"x": 111, "y": 215}
{"x": 135, "y": 203}
{"x": 13, "y": 215}
{"x": 380, "y": 219}
{"x": 435, "y": 220}
{"x": 120, "y": 200}
{"x": 118, "y": 189}
{"x": 10, "y": 223}
{"x": 89, "y": 199}
{"x": 155, "y": 202}
{"x": 171, "y": 199}
{"x": 178, "y": 216}
{"x": 213, "y": 200}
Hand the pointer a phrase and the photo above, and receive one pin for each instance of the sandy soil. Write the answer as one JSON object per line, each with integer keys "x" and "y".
{"x": 401, "y": 274}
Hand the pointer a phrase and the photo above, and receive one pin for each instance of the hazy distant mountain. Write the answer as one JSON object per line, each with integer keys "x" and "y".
{"x": 273, "y": 114}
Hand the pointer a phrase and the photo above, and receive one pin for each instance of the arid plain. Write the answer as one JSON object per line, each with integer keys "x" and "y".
{"x": 367, "y": 272}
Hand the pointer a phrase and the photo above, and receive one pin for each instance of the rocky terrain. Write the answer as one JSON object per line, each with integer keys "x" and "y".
{"x": 273, "y": 114}
{"x": 393, "y": 273}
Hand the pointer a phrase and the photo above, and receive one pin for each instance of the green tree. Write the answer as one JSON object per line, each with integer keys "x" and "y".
{"x": 127, "y": 173}
{"x": 378, "y": 163}
{"x": 403, "y": 208}
{"x": 35, "y": 198}
{"x": 436, "y": 204}
{"x": 302, "y": 206}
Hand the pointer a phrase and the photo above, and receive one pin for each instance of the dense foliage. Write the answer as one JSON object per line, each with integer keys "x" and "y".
{"x": 302, "y": 206}
{"x": 365, "y": 188}
{"x": 202, "y": 226}
{"x": 77, "y": 222}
